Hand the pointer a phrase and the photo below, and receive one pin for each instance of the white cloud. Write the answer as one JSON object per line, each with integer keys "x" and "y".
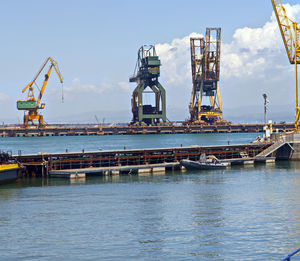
{"x": 124, "y": 86}
{"x": 255, "y": 61}
{"x": 293, "y": 11}
{"x": 255, "y": 50}
{"x": 175, "y": 58}
{"x": 251, "y": 52}
{"x": 77, "y": 87}
{"x": 3, "y": 97}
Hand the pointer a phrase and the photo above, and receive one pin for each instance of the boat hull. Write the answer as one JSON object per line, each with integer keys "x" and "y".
{"x": 196, "y": 165}
{"x": 9, "y": 172}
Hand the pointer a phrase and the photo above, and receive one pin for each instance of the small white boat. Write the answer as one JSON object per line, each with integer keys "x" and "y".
{"x": 205, "y": 163}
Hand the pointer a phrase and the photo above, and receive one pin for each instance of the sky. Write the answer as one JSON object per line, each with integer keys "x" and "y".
{"x": 95, "y": 44}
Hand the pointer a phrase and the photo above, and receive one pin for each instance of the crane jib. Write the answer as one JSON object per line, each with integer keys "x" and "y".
{"x": 290, "y": 33}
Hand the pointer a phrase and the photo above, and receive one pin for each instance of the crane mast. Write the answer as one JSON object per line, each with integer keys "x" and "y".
{"x": 290, "y": 31}
{"x": 31, "y": 105}
{"x": 205, "y": 63}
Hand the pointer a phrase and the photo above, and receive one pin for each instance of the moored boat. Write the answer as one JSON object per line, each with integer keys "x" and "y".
{"x": 9, "y": 172}
{"x": 8, "y": 169}
{"x": 205, "y": 163}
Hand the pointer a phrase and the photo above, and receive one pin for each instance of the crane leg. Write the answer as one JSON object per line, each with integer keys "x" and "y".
{"x": 41, "y": 121}
{"x": 297, "y": 119}
{"x": 25, "y": 121}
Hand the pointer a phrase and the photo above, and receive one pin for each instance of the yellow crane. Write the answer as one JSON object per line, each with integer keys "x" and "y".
{"x": 290, "y": 31}
{"x": 31, "y": 105}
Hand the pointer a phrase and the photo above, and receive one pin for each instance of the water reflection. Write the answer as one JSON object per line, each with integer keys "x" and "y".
{"x": 208, "y": 215}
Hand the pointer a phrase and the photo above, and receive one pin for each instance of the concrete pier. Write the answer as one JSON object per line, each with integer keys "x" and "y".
{"x": 286, "y": 146}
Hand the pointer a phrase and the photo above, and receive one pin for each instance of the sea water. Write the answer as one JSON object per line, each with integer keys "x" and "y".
{"x": 241, "y": 213}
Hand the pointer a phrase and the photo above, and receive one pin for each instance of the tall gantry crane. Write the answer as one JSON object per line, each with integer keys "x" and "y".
{"x": 290, "y": 31}
{"x": 205, "y": 62}
{"x": 31, "y": 105}
{"x": 146, "y": 75}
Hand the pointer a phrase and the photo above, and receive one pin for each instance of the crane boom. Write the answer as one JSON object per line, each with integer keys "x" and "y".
{"x": 44, "y": 86}
{"x": 285, "y": 27}
{"x": 53, "y": 64}
{"x": 290, "y": 35}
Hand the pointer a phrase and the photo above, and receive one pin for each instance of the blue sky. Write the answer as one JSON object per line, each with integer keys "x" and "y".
{"x": 96, "y": 43}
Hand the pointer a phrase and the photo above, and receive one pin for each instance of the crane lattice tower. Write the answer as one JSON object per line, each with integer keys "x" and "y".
{"x": 146, "y": 75}
{"x": 206, "y": 103}
{"x": 290, "y": 32}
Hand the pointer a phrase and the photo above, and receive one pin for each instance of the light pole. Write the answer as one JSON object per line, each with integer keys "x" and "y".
{"x": 265, "y": 107}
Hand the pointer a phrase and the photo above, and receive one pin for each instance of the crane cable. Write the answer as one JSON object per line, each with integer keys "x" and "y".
{"x": 62, "y": 93}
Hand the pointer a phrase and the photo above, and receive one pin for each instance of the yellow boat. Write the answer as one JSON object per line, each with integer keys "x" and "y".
{"x": 9, "y": 172}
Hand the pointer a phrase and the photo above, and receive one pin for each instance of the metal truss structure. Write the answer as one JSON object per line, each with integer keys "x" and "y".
{"x": 206, "y": 103}
{"x": 290, "y": 32}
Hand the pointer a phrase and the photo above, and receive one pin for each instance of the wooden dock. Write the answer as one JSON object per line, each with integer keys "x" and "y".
{"x": 132, "y": 161}
{"x": 142, "y": 169}
{"x": 116, "y": 170}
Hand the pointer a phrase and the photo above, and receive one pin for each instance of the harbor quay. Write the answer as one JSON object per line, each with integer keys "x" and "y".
{"x": 92, "y": 129}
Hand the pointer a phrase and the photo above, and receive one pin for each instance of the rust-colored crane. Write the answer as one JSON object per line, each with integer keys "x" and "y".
{"x": 205, "y": 61}
{"x": 290, "y": 31}
{"x": 31, "y": 105}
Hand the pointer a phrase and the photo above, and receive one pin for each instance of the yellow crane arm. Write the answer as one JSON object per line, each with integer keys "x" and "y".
{"x": 44, "y": 86}
{"x": 286, "y": 29}
{"x": 53, "y": 64}
{"x": 37, "y": 75}
{"x": 24, "y": 90}
{"x": 290, "y": 34}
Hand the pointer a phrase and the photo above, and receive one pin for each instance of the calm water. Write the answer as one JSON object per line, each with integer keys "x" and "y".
{"x": 94, "y": 143}
{"x": 242, "y": 213}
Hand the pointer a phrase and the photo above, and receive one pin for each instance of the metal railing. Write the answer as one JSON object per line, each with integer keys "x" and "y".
{"x": 284, "y": 137}
{"x": 288, "y": 258}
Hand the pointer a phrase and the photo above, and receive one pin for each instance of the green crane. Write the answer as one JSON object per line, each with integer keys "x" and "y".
{"x": 146, "y": 75}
